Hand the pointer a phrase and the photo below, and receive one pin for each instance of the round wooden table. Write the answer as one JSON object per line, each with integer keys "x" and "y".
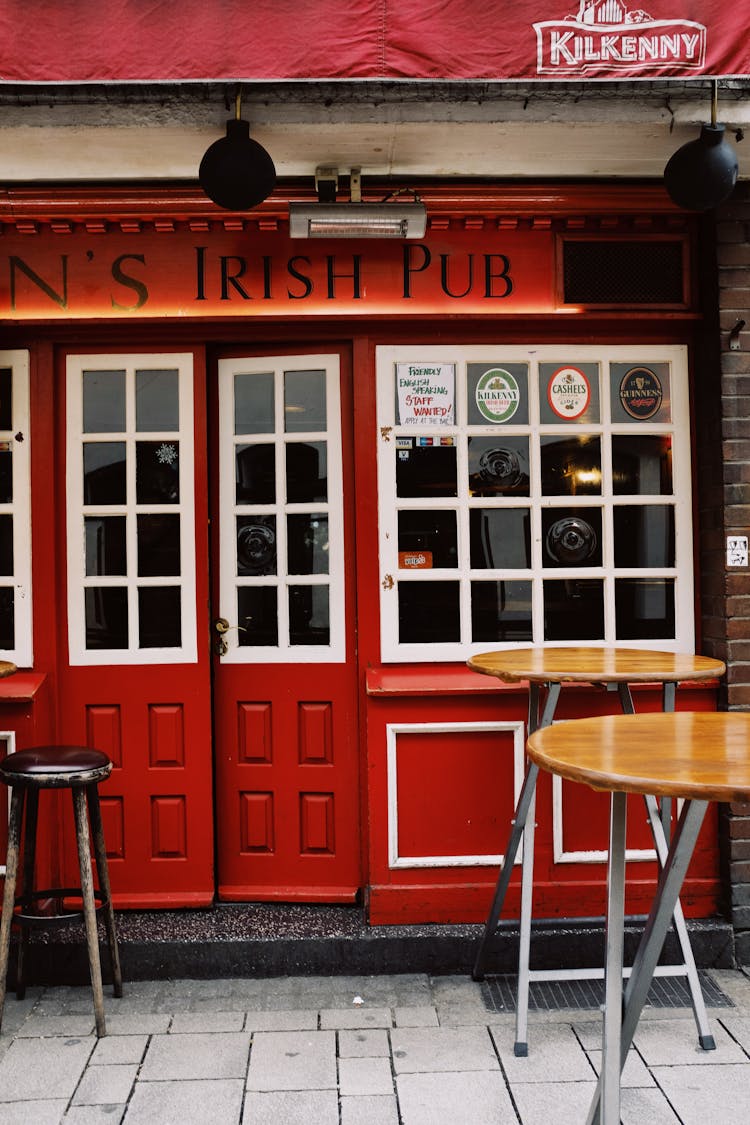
{"x": 699, "y": 756}
{"x": 7, "y": 668}
{"x": 546, "y": 670}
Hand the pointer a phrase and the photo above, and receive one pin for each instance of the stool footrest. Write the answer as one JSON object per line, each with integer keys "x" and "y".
{"x": 62, "y": 916}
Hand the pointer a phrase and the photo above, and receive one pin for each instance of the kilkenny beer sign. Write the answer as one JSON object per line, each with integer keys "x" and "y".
{"x": 608, "y": 35}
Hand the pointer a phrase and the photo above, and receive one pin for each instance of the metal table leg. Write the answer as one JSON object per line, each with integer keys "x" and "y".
{"x": 662, "y": 911}
{"x": 660, "y": 819}
{"x": 519, "y": 825}
{"x": 615, "y": 946}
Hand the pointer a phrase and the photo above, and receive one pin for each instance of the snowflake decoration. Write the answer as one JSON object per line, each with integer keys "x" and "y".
{"x": 166, "y": 454}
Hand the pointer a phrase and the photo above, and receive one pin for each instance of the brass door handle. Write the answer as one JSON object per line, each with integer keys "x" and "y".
{"x": 222, "y": 627}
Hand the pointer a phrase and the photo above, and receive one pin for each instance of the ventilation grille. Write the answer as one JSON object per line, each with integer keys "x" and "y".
{"x": 623, "y": 273}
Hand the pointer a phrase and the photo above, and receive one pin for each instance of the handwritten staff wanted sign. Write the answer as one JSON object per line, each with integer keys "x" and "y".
{"x": 426, "y": 393}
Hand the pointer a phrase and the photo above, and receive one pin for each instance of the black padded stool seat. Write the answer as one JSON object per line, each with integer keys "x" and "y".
{"x": 80, "y": 769}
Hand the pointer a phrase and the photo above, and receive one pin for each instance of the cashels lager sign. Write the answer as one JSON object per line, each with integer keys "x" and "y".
{"x": 612, "y": 36}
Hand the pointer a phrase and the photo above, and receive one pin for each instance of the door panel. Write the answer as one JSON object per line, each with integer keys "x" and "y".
{"x": 136, "y": 682}
{"x": 286, "y": 741}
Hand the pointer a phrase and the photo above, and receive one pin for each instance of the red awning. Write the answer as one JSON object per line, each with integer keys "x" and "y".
{"x": 267, "y": 40}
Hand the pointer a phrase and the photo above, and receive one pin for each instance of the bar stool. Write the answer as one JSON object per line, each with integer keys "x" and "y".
{"x": 80, "y": 769}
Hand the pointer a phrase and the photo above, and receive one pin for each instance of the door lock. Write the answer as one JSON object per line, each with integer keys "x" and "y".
{"x": 222, "y": 627}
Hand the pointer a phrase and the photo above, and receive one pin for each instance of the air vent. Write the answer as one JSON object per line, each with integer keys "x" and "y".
{"x": 618, "y": 272}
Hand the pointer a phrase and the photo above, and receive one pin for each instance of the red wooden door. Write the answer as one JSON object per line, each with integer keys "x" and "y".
{"x": 134, "y": 679}
{"x": 285, "y": 682}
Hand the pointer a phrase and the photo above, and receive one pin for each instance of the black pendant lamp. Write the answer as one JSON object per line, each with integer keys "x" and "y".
{"x": 236, "y": 172}
{"x": 702, "y": 173}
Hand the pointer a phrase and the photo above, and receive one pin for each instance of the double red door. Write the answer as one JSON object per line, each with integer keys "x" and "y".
{"x": 210, "y": 607}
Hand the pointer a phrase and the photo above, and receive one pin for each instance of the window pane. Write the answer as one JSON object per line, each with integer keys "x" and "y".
{"x": 7, "y": 618}
{"x": 306, "y": 472}
{"x": 428, "y": 612}
{"x": 427, "y": 539}
{"x": 569, "y": 393}
{"x": 309, "y": 617}
{"x": 103, "y": 402}
{"x": 156, "y": 400}
{"x": 254, "y": 404}
{"x": 6, "y": 545}
{"x": 256, "y": 474}
{"x": 500, "y": 538}
{"x": 106, "y": 617}
{"x": 425, "y": 469}
{"x": 304, "y": 401}
{"x": 256, "y": 545}
{"x": 6, "y": 476}
{"x": 105, "y": 545}
{"x": 159, "y": 617}
{"x": 571, "y": 466}
{"x": 644, "y": 608}
{"x": 641, "y": 464}
{"x": 498, "y": 467}
{"x": 307, "y": 543}
{"x": 497, "y": 394}
{"x": 572, "y": 537}
{"x": 158, "y": 545}
{"x": 501, "y": 611}
{"x": 6, "y": 398}
{"x": 574, "y": 610}
{"x": 157, "y": 472}
{"x": 258, "y": 616}
{"x": 644, "y": 535}
{"x": 104, "y": 472}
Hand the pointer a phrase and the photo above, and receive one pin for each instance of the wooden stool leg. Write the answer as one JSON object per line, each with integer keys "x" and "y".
{"x": 100, "y": 852}
{"x": 89, "y": 906}
{"x": 9, "y": 893}
{"x": 27, "y": 884}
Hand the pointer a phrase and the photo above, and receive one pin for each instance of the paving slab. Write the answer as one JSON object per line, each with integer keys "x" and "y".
{"x": 109, "y": 1114}
{"x": 552, "y": 1103}
{"x": 147, "y": 1023}
{"x": 185, "y": 1103}
{"x": 295, "y": 1020}
{"x": 426, "y": 1049}
{"x": 190, "y": 1056}
{"x": 739, "y": 1029}
{"x": 69, "y": 1025}
{"x": 648, "y": 1107}
{"x": 119, "y": 1049}
{"x": 105, "y": 1084}
{"x": 369, "y": 1110}
{"x": 415, "y": 1017}
{"x": 187, "y": 1022}
{"x": 363, "y": 1044}
{"x": 679, "y": 1045}
{"x": 42, "y": 1112}
{"x": 43, "y": 1068}
{"x": 719, "y": 1093}
{"x": 365, "y": 1076}
{"x": 635, "y": 1072}
{"x": 553, "y": 1049}
{"x": 95, "y": 1115}
{"x": 479, "y": 1098}
{"x": 306, "y": 1107}
{"x": 346, "y": 1018}
{"x": 292, "y": 1060}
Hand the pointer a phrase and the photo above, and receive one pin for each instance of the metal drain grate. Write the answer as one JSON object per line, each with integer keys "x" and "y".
{"x": 499, "y": 994}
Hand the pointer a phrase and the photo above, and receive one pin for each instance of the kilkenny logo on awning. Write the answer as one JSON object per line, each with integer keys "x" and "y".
{"x": 607, "y": 35}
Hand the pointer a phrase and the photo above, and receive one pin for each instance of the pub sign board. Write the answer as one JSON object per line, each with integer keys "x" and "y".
{"x": 229, "y": 273}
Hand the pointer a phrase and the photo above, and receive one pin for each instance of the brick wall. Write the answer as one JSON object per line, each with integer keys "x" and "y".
{"x": 724, "y": 501}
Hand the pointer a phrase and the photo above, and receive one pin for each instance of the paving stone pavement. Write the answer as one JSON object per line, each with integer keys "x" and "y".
{"x": 380, "y": 1050}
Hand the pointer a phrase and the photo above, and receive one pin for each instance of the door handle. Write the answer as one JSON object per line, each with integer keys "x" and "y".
{"x": 221, "y": 628}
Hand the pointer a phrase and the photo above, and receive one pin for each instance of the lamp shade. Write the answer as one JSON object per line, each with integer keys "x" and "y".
{"x": 236, "y": 172}
{"x": 702, "y": 173}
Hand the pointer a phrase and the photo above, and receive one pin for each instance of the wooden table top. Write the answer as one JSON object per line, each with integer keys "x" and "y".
{"x": 595, "y": 665}
{"x": 7, "y": 668}
{"x": 703, "y": 755}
